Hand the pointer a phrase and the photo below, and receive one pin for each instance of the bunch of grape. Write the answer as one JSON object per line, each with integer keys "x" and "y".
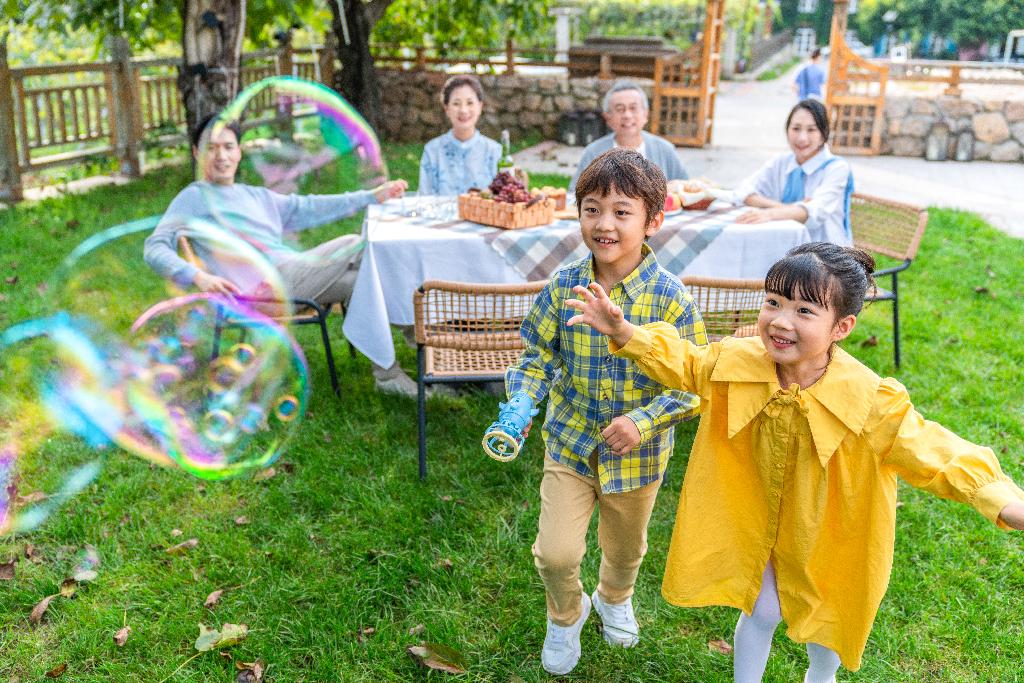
{"x": 507, "y": 188}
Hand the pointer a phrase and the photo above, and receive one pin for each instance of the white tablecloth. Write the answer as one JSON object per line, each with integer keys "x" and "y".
{"x": 402, "y": 252}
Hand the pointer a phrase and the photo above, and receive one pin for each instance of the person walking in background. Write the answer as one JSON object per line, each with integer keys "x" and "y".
{"x": 810, "y": 79}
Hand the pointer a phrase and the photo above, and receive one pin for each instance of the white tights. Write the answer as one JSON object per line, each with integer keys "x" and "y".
{"x": 754, "y": 639}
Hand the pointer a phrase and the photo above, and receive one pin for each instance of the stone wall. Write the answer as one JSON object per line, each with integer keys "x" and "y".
{"x": 953, "y": 128}
{"x": 524, "y": 105}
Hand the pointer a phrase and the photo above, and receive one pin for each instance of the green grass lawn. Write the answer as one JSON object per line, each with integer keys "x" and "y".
{"x": 347, "y": 539}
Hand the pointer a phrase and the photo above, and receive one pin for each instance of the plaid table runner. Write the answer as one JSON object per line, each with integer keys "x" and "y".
{"x": 537, "y": 253}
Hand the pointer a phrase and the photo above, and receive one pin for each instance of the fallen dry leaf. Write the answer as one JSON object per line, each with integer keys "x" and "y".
{"x": 176, "y": 532}
{"x": 212, "y": 599}
{"x": 417, "y": 630}
{"x": 72, "y": 224}
{"x": 446, "y": 499}
{"x": 57, "y": 671}
{"x": 68, "y": 587}
{"x": 446, "y": 564}
{"x": 720, "y": 646}
{"x": 983, "y": 561}
{"x": 249, "y": 672}
{"x": 870, "y": 341}
{"x": 263, "y": 475}
{"x": 438, "y": 657}
{"x": 31, "y": 555}
{"x": 183, "y": 546}
{"x": 34, "y": 497}
{"x": 241, "y": 520}
{"x": 228, "y": 635}
{"x": 13, "y": 280}
{"x": 364, "y": 633}
{"x": 39, "y": 610}
{"x": 121, "y": 637}
{"x": 7, "y": 570}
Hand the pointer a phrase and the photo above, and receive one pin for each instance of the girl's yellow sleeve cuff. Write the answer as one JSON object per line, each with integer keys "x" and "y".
{"x": 991, "y": 498}
{"x": 639, "y": 344}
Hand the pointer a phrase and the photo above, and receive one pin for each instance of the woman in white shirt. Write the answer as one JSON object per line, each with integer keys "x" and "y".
{"x": 808, "y": 184}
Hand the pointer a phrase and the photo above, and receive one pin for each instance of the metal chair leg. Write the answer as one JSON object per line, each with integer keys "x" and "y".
{"x": 896, "y": 319}
{"x": 322, "y": 320}
{"x": 421, "y": 411}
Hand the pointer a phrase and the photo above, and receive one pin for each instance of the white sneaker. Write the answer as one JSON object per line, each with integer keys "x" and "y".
{"x": 620, "y": 627}
{"x": 561, "y": 651}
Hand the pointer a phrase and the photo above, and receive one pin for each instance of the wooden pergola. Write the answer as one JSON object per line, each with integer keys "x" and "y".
{"x": 683, "y": 102}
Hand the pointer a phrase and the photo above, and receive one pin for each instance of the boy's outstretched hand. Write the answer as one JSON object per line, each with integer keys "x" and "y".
{"x": 598, "y": 311}
{"x": 1013, "y": 515}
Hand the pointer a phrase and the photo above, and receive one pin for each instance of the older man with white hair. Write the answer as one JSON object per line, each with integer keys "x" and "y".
{"x": 626, "y": 113}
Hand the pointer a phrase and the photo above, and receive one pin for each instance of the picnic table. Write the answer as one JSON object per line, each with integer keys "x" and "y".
{"x": 402, "y": 251}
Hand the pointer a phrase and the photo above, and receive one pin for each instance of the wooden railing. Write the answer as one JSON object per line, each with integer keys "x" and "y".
{"x": 954, "y": 74}
{"x": 423, "y": 58}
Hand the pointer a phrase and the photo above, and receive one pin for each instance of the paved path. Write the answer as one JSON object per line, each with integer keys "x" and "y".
{"x": 749, "y": 120}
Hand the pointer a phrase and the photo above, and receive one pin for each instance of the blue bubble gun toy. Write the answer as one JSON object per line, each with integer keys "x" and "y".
{"x": 505, "y": 437}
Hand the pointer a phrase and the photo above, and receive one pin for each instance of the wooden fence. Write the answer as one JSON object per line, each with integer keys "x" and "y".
{"x": 954, "y": 74}
{"x": 61, "y": 114}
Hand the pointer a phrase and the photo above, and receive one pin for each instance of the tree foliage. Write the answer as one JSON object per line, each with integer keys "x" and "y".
{"x": 451, "y": 24}
{"x": 966, "y": 23}
{"x": 148, "y": 23}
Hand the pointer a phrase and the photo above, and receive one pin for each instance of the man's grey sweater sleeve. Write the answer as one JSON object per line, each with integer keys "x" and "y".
{"x": 161, "y": 250}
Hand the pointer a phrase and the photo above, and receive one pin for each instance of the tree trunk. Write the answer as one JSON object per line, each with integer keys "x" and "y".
{"x": 357, "y": 81}
{"x": 211, "y": 45}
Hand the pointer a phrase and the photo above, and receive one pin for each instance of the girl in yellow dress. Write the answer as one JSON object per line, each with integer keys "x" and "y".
{"x": 788, "y": 508}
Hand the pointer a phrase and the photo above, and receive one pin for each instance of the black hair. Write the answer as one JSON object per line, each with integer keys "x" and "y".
{"x": 815, "y": 53}
{"x": 628, "y": 172}
{"x": 831, "y": 276}
{"x": 817, "y": 112}
{"x": 207, "y": 121}
{"x": 462, "y": 80}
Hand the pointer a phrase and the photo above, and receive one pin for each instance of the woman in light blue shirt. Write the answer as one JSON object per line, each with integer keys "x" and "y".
{"x": 808, "y": 184}
{"x": 461, "y": 158}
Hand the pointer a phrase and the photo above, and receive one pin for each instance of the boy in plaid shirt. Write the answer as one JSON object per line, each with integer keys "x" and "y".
{"x": 608, "y": 429}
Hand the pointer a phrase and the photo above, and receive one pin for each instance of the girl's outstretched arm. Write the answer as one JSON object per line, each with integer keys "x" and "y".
{"x": 598, "y": 311}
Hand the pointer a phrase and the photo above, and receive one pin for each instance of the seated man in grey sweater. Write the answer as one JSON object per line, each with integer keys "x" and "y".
{"x": 325, "y": 274}
{"x": 625, "y": 112}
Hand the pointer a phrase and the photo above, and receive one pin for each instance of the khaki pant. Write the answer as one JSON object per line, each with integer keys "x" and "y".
{"x": 326, "y": 273}
{"x": 567, "y": 503}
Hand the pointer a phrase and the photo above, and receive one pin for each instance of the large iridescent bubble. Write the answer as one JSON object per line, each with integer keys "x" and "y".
{"x": 203, "y": 382}
{"x": 297, "y": 138}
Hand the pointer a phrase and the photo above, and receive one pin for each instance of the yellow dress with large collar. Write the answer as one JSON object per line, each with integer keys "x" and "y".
{"x": 804, "y": 477}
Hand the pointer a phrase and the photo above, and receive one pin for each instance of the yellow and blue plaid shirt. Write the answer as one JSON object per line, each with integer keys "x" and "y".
{"x": 587, "y": 387}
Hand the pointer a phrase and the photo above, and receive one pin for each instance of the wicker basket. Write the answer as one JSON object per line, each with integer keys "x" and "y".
{"x": 475, "y": 208}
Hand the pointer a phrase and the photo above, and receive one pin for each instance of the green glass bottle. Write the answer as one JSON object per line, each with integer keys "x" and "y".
{"x": 506, "y": 163}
